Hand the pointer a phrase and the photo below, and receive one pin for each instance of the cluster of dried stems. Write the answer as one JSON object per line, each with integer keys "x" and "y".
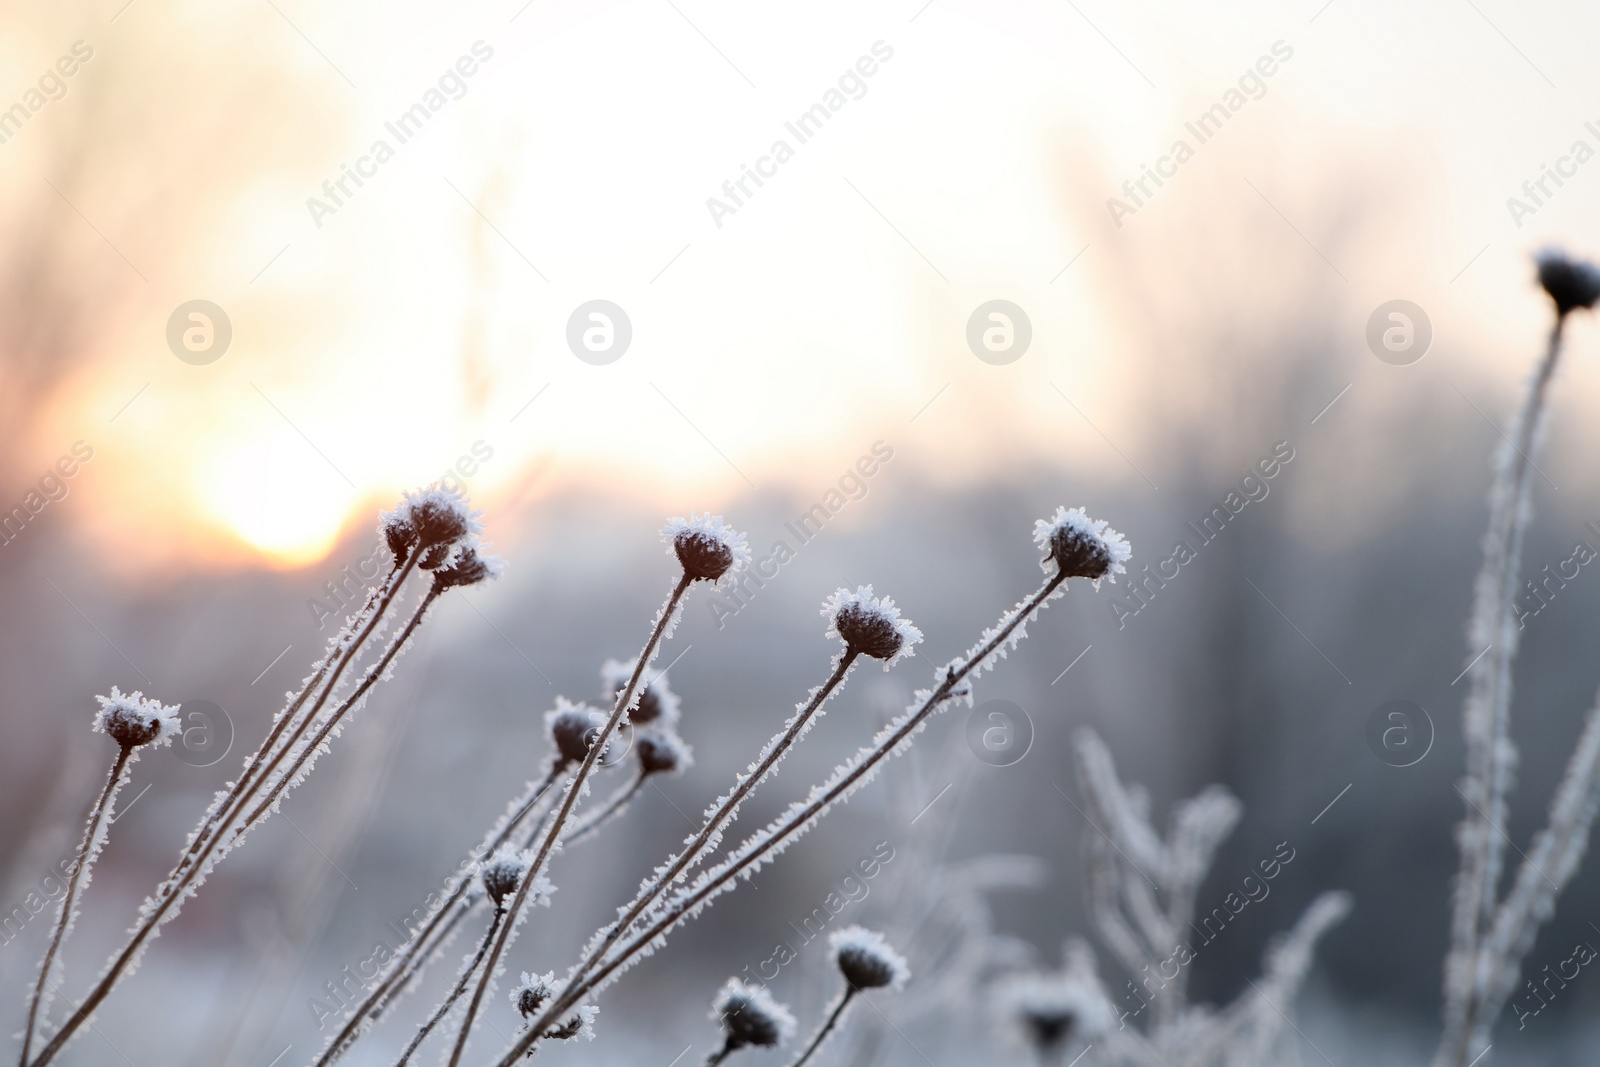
{"x": 1142, "y": 887}
{"x": 508, "y": 873}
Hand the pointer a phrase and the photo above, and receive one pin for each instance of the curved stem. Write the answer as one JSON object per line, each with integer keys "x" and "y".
{"x": 827, "y": 1027}
{"x": 455, "y": 992}
{"x": 435, "y": 933}
{"x": 156, "y": 915}
{"x": 625, "y": 701}
{"x": 69, "y": 902}
{"x": 710, "y": 831}
{"x": 854, "y": 772}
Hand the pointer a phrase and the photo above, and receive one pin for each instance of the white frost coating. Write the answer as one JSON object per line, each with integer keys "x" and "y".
{"x": 1080, "y": 524}
{"x": 581, "y": 1023}
{"x": 869, "y": 606}
{"x": 714, "y": 528}
{"x": 871, "y": 945}
{"x": 135, "y": 710}
{"x": 764, "y": 846}
{"x": 614, "y": 675}
{"x": 415, "y": 504}
{"x": 748, "y": 998}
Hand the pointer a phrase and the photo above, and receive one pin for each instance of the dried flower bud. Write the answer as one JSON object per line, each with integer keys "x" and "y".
{"x": 657, "y": 702}
{"x": 661, "y": 751}
{"x": 866, "y": 960}
{"x": 1081, "y": 547}
{"x": 1048, "y": 1011}
{"x": 572, "y": 729}
{"x": 870, "y": 626}
{"x": 132, "y": 721}
{"x": 398, "y": 534}
{"x": 750, "y": 1016}
{"x": 579, "y": 1024}
{"x": 503, "y": 873}
{"x": 1571, "y": 283}
{"x": 706, "y": 546}
{"x": 437, "y": 515}
{"x": 531, "y": 995}
{"x": 469, "y": 567}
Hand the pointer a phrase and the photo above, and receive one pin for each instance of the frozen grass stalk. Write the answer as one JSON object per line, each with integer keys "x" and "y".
{"x": 866, "y": 961}
{"x": 1483, "y": 959}
{"x": 867, "y": 626}
{"x": 1074, "y": 546}
{"x": 707, "y": 549}
{"x": 433, "y": 530}
{"x": 132, "y": 722}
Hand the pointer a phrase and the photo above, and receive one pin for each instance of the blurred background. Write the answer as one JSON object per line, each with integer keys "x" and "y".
{"x": 361, "y": 337}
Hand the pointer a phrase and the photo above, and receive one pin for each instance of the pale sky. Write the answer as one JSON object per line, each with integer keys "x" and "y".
{"x": 829, "y": 310}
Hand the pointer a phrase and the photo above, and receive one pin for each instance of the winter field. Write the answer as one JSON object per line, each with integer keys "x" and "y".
{"x": 928, "y": 533}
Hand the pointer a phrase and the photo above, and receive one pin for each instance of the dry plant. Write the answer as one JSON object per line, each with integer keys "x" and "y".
{"x": 1491, "y": 932}
{"x": 508, "y": 873}
{"x": 1141, "y": 895}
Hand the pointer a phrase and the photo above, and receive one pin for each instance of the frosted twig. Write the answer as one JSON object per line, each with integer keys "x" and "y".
{"x": 827, "y": 1026}
{"x": 436, "y": 931}
{"x": 625, "y": 699}
{"x": 710, "y": 832}
{"x": 132, "y": 722}
{"x": 1477, "y": 959}
{"x": 615, "y": 805}
{"x": 427, "y": 533}
{"x": 1075, "y": 546}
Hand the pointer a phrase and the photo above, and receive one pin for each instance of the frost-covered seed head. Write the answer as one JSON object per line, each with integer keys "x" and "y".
{"x": 1081, "y": 547}
{"x": 657, "y": 702}
{"x": 469, "y": 567}
{"x": 572, "y": 728}
{"x": 750, "y": 1016}
{"x": 579, "y": 1024}
{"x": 1047, "y": 1011}
{"x": 661, "y": 751}
{"x": 531, "y": 995}
{"x": 706, "y": 546}
{"x": 866, "y": 960}
{"x": 398, "y": 534}
{"x": 869, "y": 625}
{"x": 131, "y": 720}
{"x": 1571, "y": 283}
{"x": 503, "y": 873}
{"x": 439, "y": 515}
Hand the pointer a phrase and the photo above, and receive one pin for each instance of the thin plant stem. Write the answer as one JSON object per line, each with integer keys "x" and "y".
{"x": 765, "y": 841}
{"x": 373, "y": 674}
{"x": 1486, "y": 717}
{"x": 625, "y": 700}
{"x": 69, "y": 902}
{"x": 455, "y": 992}
{"x": 377, "y": 603}
{"x": 618, "y": 802}
{"x": 157, "y": 914}
{"x": 435, "y": 933}
{"x": 828, "y": 1025}
{"x": 710, "y": 832}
